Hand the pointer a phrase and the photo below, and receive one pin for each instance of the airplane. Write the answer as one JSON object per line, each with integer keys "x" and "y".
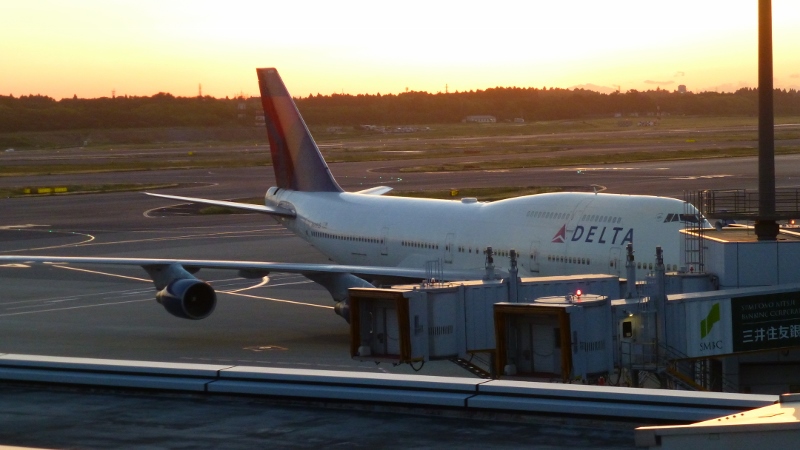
{"x": 373, "y": 239}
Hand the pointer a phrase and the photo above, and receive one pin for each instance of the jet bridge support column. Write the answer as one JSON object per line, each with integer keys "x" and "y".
{"x": 659, "y": 297}
{"x": 513, "y": 278}
{"x": 630, "y": 273}
{"x": 490, "y": 274}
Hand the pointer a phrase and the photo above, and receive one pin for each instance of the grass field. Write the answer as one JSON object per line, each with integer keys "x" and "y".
{"x": 28, "y": 191}
{"x": 498, "y": 146}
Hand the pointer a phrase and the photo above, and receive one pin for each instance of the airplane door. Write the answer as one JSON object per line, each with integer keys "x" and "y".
{"x": 448, "y": 248}
{"x": 546, "y": 357}
{"x": 533, "y": 261}
{"x": 538, "y": 349}
{"x": 577, "y": 213}
{"x": 388, "y": 342}
{"x": 384, "y": 241}
{"x": 614, "y": 260}
{"x": 524, "y": 355}
{"x": 392, "y": 336}
{"x": 573, "y": 243}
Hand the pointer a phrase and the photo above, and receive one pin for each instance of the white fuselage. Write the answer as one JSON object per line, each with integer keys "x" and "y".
{"x": 554, "y": 234}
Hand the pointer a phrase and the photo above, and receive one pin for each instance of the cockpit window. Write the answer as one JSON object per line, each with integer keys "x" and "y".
{"x": 690, "y": 218}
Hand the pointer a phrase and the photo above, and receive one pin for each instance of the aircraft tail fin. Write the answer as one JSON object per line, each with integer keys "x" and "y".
{"x": 296, "y": 159}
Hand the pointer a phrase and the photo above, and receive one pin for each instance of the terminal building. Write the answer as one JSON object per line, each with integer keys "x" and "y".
{"x": 727, "y": 320}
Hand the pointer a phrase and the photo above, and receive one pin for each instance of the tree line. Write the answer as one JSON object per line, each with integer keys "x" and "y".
{"x": 42, "y": 113}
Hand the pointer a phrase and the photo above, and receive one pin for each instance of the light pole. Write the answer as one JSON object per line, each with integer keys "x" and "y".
{"x": 766, "y": 226}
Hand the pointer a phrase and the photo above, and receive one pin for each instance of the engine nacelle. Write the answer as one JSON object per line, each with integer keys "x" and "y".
{"x": 338, "y": 284}
{"x": 343, "y": 309}
{"x": 188, "y": 298}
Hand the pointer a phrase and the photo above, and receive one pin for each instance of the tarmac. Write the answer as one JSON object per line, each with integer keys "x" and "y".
{"x": 100, "y": 312}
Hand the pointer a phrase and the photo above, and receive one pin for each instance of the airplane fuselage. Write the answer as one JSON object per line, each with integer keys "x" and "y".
{"x": 554, "y": 234}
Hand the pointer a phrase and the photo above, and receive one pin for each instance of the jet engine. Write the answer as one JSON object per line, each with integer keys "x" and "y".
{"x": 338, "y": 284}
{"x": 188, "y": 298}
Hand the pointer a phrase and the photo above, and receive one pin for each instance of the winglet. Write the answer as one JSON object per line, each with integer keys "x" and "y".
{"x": 296, "y": 159}
{"x": 377, "y": 190}
{"x": 261, "y": 209}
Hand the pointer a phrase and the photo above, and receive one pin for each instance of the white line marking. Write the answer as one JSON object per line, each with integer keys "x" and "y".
{"x": 73, "y": 307}
{"x": 19, "y": 227}
{"x": 225, "y": 234}
{"x": 264, "y": 281}
{"x": 277, "y": 300}
{"x": 90, "y": 239}
{"x": 81, "y": 296}
{"x": 100, "y": 273}
{"x": 289, "y": 284}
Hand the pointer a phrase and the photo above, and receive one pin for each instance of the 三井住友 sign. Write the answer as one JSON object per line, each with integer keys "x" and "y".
{"x": 766, "y": 321}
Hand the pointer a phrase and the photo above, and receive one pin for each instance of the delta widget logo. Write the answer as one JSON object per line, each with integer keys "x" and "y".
{"x": 561, "y": 236}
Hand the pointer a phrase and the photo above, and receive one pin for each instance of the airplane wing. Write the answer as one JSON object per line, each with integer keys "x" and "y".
{"x": 271, "y": 210}
{"x": 250, "y": 269}
{"x": 187, "y": 297}
{"x": 377, "y": 190}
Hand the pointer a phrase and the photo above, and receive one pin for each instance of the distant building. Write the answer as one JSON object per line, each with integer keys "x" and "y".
{"x": 260, "y": 120}
{"x": 682, "y": 88}
{"x": 480, "y": 119}
{"x": 389, "y": 129}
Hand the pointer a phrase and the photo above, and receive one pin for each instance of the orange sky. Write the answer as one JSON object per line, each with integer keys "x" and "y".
{"x": 88, "y": 48}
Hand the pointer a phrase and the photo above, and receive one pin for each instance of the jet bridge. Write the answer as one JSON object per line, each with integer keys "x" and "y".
{"x": 414, "y": 324}
{"x": 736, "y": 329}
{"x": 561, "y": 337}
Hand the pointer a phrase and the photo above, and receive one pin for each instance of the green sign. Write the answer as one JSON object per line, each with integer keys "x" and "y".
{"x": 762, "y": 322}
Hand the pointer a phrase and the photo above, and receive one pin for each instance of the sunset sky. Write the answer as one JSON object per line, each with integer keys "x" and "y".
{"x": 90, "y": 48}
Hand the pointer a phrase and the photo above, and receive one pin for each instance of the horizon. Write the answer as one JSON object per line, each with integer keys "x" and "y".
{"x": 91, "y": 48}
{"x": 571, "y": 88}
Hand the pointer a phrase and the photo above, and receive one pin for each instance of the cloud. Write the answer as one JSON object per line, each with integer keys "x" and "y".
{"x": 679, "y": 74}
{"x": 794, "y": 75}
{"x": 658, "y": 82}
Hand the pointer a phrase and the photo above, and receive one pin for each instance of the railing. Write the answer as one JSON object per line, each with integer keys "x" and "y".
{"x": 684, "y": 380}
{"x": 744, "y": 205}
{"x": 695, "y": 374}
{"x": 434, "y": 273}
{"x": 694, "y": 236}
{"x": 636, "y": 354}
